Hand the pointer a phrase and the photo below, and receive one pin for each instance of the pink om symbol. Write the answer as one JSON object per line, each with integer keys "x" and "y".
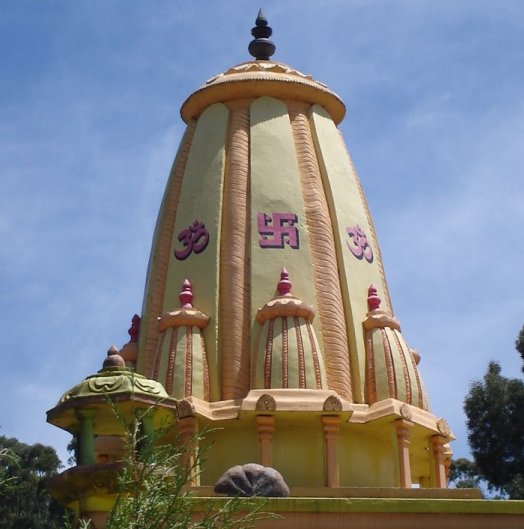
{"x": 194, "y": 239}
{"x": 358, "y": 243}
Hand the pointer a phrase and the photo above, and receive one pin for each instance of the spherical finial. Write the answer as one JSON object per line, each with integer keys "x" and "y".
{"x": 284, "y": 285}
{"x": 113, "y": 358}
{"x": 373, "y": 300}
{"x": 261, "y": 47}
{"x": 134, "y": 329}
{"x": 186, "y": 295}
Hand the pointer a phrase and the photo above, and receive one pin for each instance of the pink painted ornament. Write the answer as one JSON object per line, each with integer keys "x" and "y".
{"x": 373, "y": 300}
{"x": 186, "y": 295}
{"x": 134, "y": 330}
{"x": 284, "y": 285}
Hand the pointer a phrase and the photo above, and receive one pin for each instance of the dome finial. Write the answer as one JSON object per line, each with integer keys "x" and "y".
{"x": 261, "y": 48}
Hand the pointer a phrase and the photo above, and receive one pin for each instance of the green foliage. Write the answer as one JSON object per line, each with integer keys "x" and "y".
{"x": 519, "y": 345}
{"x": 464, "y": 474}
{"x": 495, "y": 417}
{"x": 24, "y": 500}
{"x": 152, "y": 492}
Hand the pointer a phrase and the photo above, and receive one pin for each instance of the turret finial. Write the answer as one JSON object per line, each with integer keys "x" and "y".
{"x": 186, "y": 295}
{"x": 284, "y": 285}
{"x": 373, "y": 300}
{"x": 261, "y": 47}
{"x": 113, "y": 358}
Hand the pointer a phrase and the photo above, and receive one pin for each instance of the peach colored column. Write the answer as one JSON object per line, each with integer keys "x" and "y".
{"x": 403, "y": 428}
{"x": 265, "y": 430}
{"x": 234, "y": 339}
{"x": 448, "y": 453}
{"x": 437, "y": 443}
{"x": 188, "y": 427}
{"x": 331, "y": 427}
{"x": 323, "y": 254}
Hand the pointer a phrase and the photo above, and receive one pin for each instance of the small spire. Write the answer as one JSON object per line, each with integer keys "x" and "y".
{"x": 261, "y": 47}
{"x": 284, "y": 285}
{"x": 134, "y": 329}
{"x": 373, "y": 300}
{"x": 186, "y": 295}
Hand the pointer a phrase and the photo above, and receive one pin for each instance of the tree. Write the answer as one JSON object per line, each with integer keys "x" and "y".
{"x": 495, "y": 418}
{"x": 464, "y": 474}
{"x": 24, "y": 500}
{"x": 519, "y": 345}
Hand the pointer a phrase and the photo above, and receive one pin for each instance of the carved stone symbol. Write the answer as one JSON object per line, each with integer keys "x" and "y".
{"x": 266, "y": 403}
{"x": 358, "y": 243}
{"x": 332, "y": 403}
{"x": 194, "y": 239}
{"x": 280, "y": 227}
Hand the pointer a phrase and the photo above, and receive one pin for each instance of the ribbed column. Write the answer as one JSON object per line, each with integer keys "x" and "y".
{"x": 234, "y": 340}
{"x": 331, "y": 427}
{"x": 403, "y": 431}
{"x": 159, "y": 260}
{"x": 265, "y": 430}
{"x": 188, "y": 429}
{"x": 86, "y": 440}
{"x": 437, "y": 444}
{"x": 324, "y": 260}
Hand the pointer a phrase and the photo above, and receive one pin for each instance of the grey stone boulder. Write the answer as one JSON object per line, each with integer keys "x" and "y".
{"x": 252, "y": 480}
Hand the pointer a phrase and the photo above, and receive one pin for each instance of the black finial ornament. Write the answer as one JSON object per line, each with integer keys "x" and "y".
{"x": 261, "y": 48}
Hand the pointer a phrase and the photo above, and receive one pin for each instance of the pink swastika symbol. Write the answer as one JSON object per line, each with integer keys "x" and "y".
{"x": 277, "y": 229}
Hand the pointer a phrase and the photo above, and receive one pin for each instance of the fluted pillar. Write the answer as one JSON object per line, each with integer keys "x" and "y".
{"x": 437, "y": 444}
{"x": 331, "y": 430}
{"x": 265, "y": 430}
{"x": 403, "y": 431}
{"x": 188, "y": 427}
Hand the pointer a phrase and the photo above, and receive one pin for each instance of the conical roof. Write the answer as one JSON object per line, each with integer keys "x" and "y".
{"x": 263, "y": 187}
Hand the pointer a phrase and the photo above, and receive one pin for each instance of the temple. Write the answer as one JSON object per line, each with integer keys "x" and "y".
{"x": 267, "y": 313}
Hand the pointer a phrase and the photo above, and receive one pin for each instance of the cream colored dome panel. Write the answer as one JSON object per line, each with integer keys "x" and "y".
{"x": 196, "y": 236}
{"x": 279, "y": 237}
{"x": 356, "y": 245}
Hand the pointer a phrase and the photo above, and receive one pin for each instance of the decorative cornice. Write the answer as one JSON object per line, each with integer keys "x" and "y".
{"x": 183, "y": 317}
{"x": 379, "y": 319}
{"x": 283, "y": 307}
{"x": 266, "y": 66}
{"x": 262, "y": 78}
{"x": 113, "y": 380}
{"x": 186, "y": 315}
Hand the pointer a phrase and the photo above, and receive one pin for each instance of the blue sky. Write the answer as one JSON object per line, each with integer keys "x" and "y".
{"x": 90, "y": 93}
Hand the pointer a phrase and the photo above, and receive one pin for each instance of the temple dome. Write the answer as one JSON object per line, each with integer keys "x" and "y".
{"x": 263, "y": 185}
